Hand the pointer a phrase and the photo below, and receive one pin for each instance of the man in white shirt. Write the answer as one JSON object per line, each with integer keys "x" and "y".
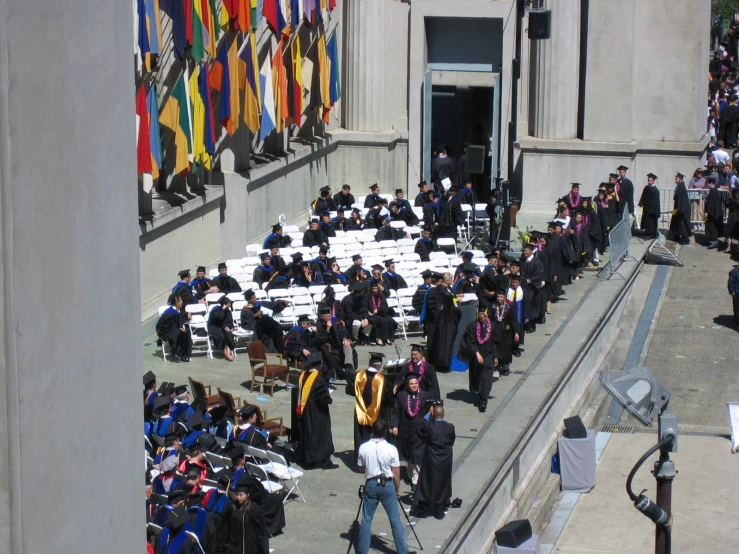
{"x": 720, "y": 155}
{"x": 379, "y": 461}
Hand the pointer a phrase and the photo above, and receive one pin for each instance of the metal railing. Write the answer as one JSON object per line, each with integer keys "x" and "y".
{"x": 697, "y": 199}
{"x": 618, "y": 240}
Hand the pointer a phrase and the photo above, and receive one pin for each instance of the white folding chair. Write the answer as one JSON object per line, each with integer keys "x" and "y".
{"x": 199, "y": 333}
{"x": 285, "y": 317}
{"x": 261, "y": 294}
{"x": 299, "y": 311}
{"x": 372, "y": 247}
{"x": 410, "y": 256}
{"x": 393, "y": 304}
{"x": 412, "y": 231}
{"x": 388, "y": 197}
{"x": 284, "y": 472}
{"x": 338, "y": 288}
{"x": 252, "y": 260}
{"x": 298, "y": 291}
{"x": 360, "y": 201}
{"x": 162, "y": 309}
{"x": 278, "y": 293}
{"x": 260, "y": 473}
{"x": 213, "y": 273}
{"x": 448, "y": 241}
{"x": 235, "y": 296}
{"x": 212, "y": 298}
{"x": 289, "y": 229}
{"x": 403, "y": 250}
{"x": 252, "y": 249}
{"x": 438, "y": 255}
{"x": 197, "y": 308}
{"x": 250, "y": 285}
{"x": 316, "y": 289}
{"x": 406, "y": 242}
{"x": 409, "y": 317}
{"x": 238, "y": 305}
{"x": 397, "y": 224}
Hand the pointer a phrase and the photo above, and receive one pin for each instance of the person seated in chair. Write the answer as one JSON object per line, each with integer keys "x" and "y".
{"x": 170, "y": 328}
{"x": 264, "y": 272}
{"x": 424, "y": 245}
{"x": 202, "y": 285}
{"x": 224, "y": 282}
{"x": 249, "y": 431}
{"x": 298, "y": 341}
{"x": 392, "y": 280}
{"x": 335, "y": 342}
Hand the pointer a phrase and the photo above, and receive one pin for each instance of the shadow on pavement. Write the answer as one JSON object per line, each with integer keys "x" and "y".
{"x": 725, "y": 321}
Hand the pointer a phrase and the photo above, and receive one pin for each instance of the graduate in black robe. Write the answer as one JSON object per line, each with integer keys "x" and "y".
{"x": 479, "y": 349}
{"x": 344, "y": 198}
{"x": 421, "y": 290}
{"x": 424, "y": 371}
{"x": 248, "y": 529}
{"x": 602, "y": 222}
{"x": 583, "y": 240}
{"x": 392, "y": 280}
{"x": 467, "y": 193}
{"x": 224, "y": 282}
{"x": 410, "y": 407}
{"x": 434, "y": 489}
{"x": 270, "y": 503}
{"x": 373, "y": 397}
{"x": 507, "y": 331}
{"x": 560, "y": 257}
{"x": 545, "y": 293}
{"x": 176, "y": 538}
{"x": 220, "y": 327}
{"x": 424, "y": 245}
{"x": 714, "y": 214}
{"x": 450, "y": 215}
{"x": 443, "y": 167}
{"x": 431, "y": 303}
{"x": 532, "y": 281}
{"x": 626, "y": 188}
{"x": 380, "y": 316}
{"x": 441, "y": 341}
{"x": 171, "y": 328}
{"x": 264, "y": 272}
{"x": 680, "y": 222}
{"x": 183, "y": 290}
{"x": 298, "y": 341}
{"x": 218, "y": 504}
{"x": 373, "y": 198}
{"x": 201, "y": 285}
{"x": 650, "y": 205}
{"x": 314, "y": 236}
{"x": 316, "y": 444}
{"x": 276, "y": 239}
{"x": 422, "y": 197}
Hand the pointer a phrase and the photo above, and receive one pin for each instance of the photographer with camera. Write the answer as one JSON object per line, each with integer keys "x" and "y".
{"x": 434, "y": 489}
{"x": 379, "y": 461}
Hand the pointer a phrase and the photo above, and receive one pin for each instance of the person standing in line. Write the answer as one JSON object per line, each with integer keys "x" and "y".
{"x": 650, "y": 205}
{"x": 734, "y": 293}
{"x": 680, "y": 222}
{"x": 380, "y": 463}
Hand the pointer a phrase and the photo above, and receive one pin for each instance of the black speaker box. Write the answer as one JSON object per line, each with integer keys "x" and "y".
{"x": 514, "y": 533}
{"x": 540, "y": 24}
{"x": 475, "y": 159}
{"x": 574, "y": 428}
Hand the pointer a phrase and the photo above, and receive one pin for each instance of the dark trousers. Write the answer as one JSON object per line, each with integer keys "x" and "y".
{"x": 735, "y": 304}
{"x": 486, "y": 382}
{"x": 649, "y": 225}
{"x": 182, "y": 345}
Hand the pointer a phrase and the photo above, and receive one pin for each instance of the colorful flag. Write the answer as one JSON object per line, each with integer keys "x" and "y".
{"x": 268, "y": 100}
{"x": 295, "y": 87}
{"x": 256, "y": 9}
{"x": 143, "y": 149}
{"x": 142, "y": 33}
{"x": 279, "y": 84}
{"x": 200, "y": 156}
{"x": 250, "y": 82}
{"x": 325, "y": 76}
{"x": 154, "y": 27}
{"x": 275, "y": 17}
{"x": 203, "y": 30}
{"x": 177, "y": 11}
{"x": 334, "y": 78}
{"x": 224, "y": 77}
{"x": 155, "y": 136}
{"x": 244, "y": 16}
{"x": 310, "y": 9}
{"x": 176, "y": 116}
{"x": 210, "y": 126}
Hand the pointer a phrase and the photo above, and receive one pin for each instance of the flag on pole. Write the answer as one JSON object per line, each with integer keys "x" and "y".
{"x": 272, "y": 11}
{"x": 256, "y": 9}
{"x": 176, "y": 11}
{"x": 143, "y": 148}
{"x": 334, "y": 78}
{"x": 224, "y": 78}
{"x": 154, "y": 26}
{"x": 324, "y": 76}
{"x": 310, "y": 7}
{"x": 250, "y": 82}
{"x": 155, "y": 136}
{"x": 142, "y": 33}
{"x": 279, "y": 84}
{"x": 176, "y": 116}
{"x": 209, "y": 139}
{"x": 200, "y": 156}
{"x": 268, "y": 100}
{"x": 295, "y": 86}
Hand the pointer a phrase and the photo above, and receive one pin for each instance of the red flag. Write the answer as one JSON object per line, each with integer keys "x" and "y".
{"x": 188, "y": 21}
{"x": 143, "y": 148}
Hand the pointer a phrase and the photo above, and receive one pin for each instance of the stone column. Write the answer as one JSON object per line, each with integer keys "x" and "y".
{"x": 555, "y": 65}
{"x": 364, "y": 96}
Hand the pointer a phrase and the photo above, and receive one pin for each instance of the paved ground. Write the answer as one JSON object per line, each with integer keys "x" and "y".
{"x": 693, "y": 351}
{"x": 331, "y": 495}
{"x": 704, "y": 507}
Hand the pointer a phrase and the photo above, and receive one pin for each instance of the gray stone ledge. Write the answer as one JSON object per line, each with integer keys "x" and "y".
{"x": 164, "y": 214}
{"x": 530, "y": 145}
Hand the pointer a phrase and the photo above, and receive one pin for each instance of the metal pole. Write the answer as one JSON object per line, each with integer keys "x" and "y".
{"x": 505, "y": 230}
{"x": 664, "y": 473}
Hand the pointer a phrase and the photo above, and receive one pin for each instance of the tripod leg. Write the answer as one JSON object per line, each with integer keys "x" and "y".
{"x": 355, "y": 527}
{"x": 408, "y": 519}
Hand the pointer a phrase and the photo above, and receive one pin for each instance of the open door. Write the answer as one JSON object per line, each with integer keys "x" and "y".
{"x": 495, "y": 140}
{"x": 426, "y": 142}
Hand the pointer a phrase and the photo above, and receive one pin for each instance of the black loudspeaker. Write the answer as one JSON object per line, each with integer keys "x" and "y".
{"x": 514, "y": 533}
{"x": 574, "y": 428}
{"x": 540, "y": 24}
{"x": 475, "y": 159}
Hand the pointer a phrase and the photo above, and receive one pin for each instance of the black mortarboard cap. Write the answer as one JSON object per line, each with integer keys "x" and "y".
{"x": 161, "y": 403}
{"x": 149, "y": 378}
{"x": 248, "y": 293}
{"x": 517, "y": 276}
{"x": 651, "y": 175}
{"x": 356, "y": 287}
{"x": 469, "y": 268}
{"x": 422, "y": 184}
{"x": 180, "y": 389}
{"x": 467, "y": 254}
{"x": 613, "y": 175}
{"x": 193, "y": 420}
{"x": 377, "y": 267}
{"x": 679, "y": 175}
{"x": 324, "y": 189}
{"x": 491, "y": 255}
{"x": 389, "y": 262}
{"x": 323, "y": 250}
{"x": 427, "y": 273}
{"x": 330, "y": 261}
{"x": 500, "y": 291}
{"x": 303, "y": 319}
{"x": 314, "y": 358}
{"x": 297, "y": 256}
{"x": 375, "y": 186}
{"x": 356, "y": 211}
{"x": 515, "y": 261}
{"x": 247, "y": 411}
{"x": 263, "y": 256}
{"x": 166, "y": 388}
{"x": 622, "y": 168}
{"x": 356, "y": 257}
{"x": 199, "y": 404}
{"x": 323, "y": 310}
{"x": 224, "y": 477}
{"x": 409, "y": 376}
{"x": 184, "y": 273}
{"x": 416, "y": 348}
{"x": 177, "y": 518}
{"x": 587, "y": 198}
{"x": 222, "y": 265}
{"x": 235, "y": 452}
{"x": 217, "y": 413}
{"x": 437, "y": 275}
{"x": 276, "y": 228}
{"x": 575, "y": 185}
{"x": 176, "y": 494}
{"x": 376, "y": 358}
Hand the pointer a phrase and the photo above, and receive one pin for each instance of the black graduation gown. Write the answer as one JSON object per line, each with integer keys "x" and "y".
{"x": 598, "y": 224}
{"x": 462, "y": 174}
{"x": 420, "y": 201}
{"x": 343, "y": 201}
{"x": 430, "y": 217}
{"x": 468, "y": 197}
{"x": 410, "y": 446}
{"x": 428, "y": 382}
{"x": 650, "y": 205}
{"x": 168, "y": 328}
{"x": 441, "y": 168}
{"x": 393, "y": 281}
{"x": 363, "y": 433}
{"x": 265, "y": 329}
{"x": 442, "y": 340}
{"x": 220, "y": 518}
{"x": 189, "y": 545}
{"x": 218, "y": 321}
{"x": 184, "y": 291}
{"x": 468, "y": 349}
{"x": 263, "y": 274}
{"x": 545, "y": 293}
{"x": 680, "y": 222}
{"x": 249, "y": 533}
{"x": 354, "y": 224}
{"x": 226, "y": 284}
{"x": 417, "y": 300}
{"x": 276, "y": 241}
{"x": 557, "y": 265}
{"x": 297, "y": 340}
{"x": 272, "y": 507}
{"x": 354, "y": 307}
{"x": 531, "y": 271}
{"x": 732, "y": 224}
{"x": 314, "y": 238}
{"x": 490, "y": 283}
{"x": 451, "y": 216}
{"x": 314, "y": 424}
{"x": 715, "y": 210}
{"x": 504, "y": 333}
{"x": 423, "y": 248}
{"x": 371, "y": 200}
{"x": 435, "y": 479}
{"x": 626, "y": 193}
{"x": 383, "y": 323}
